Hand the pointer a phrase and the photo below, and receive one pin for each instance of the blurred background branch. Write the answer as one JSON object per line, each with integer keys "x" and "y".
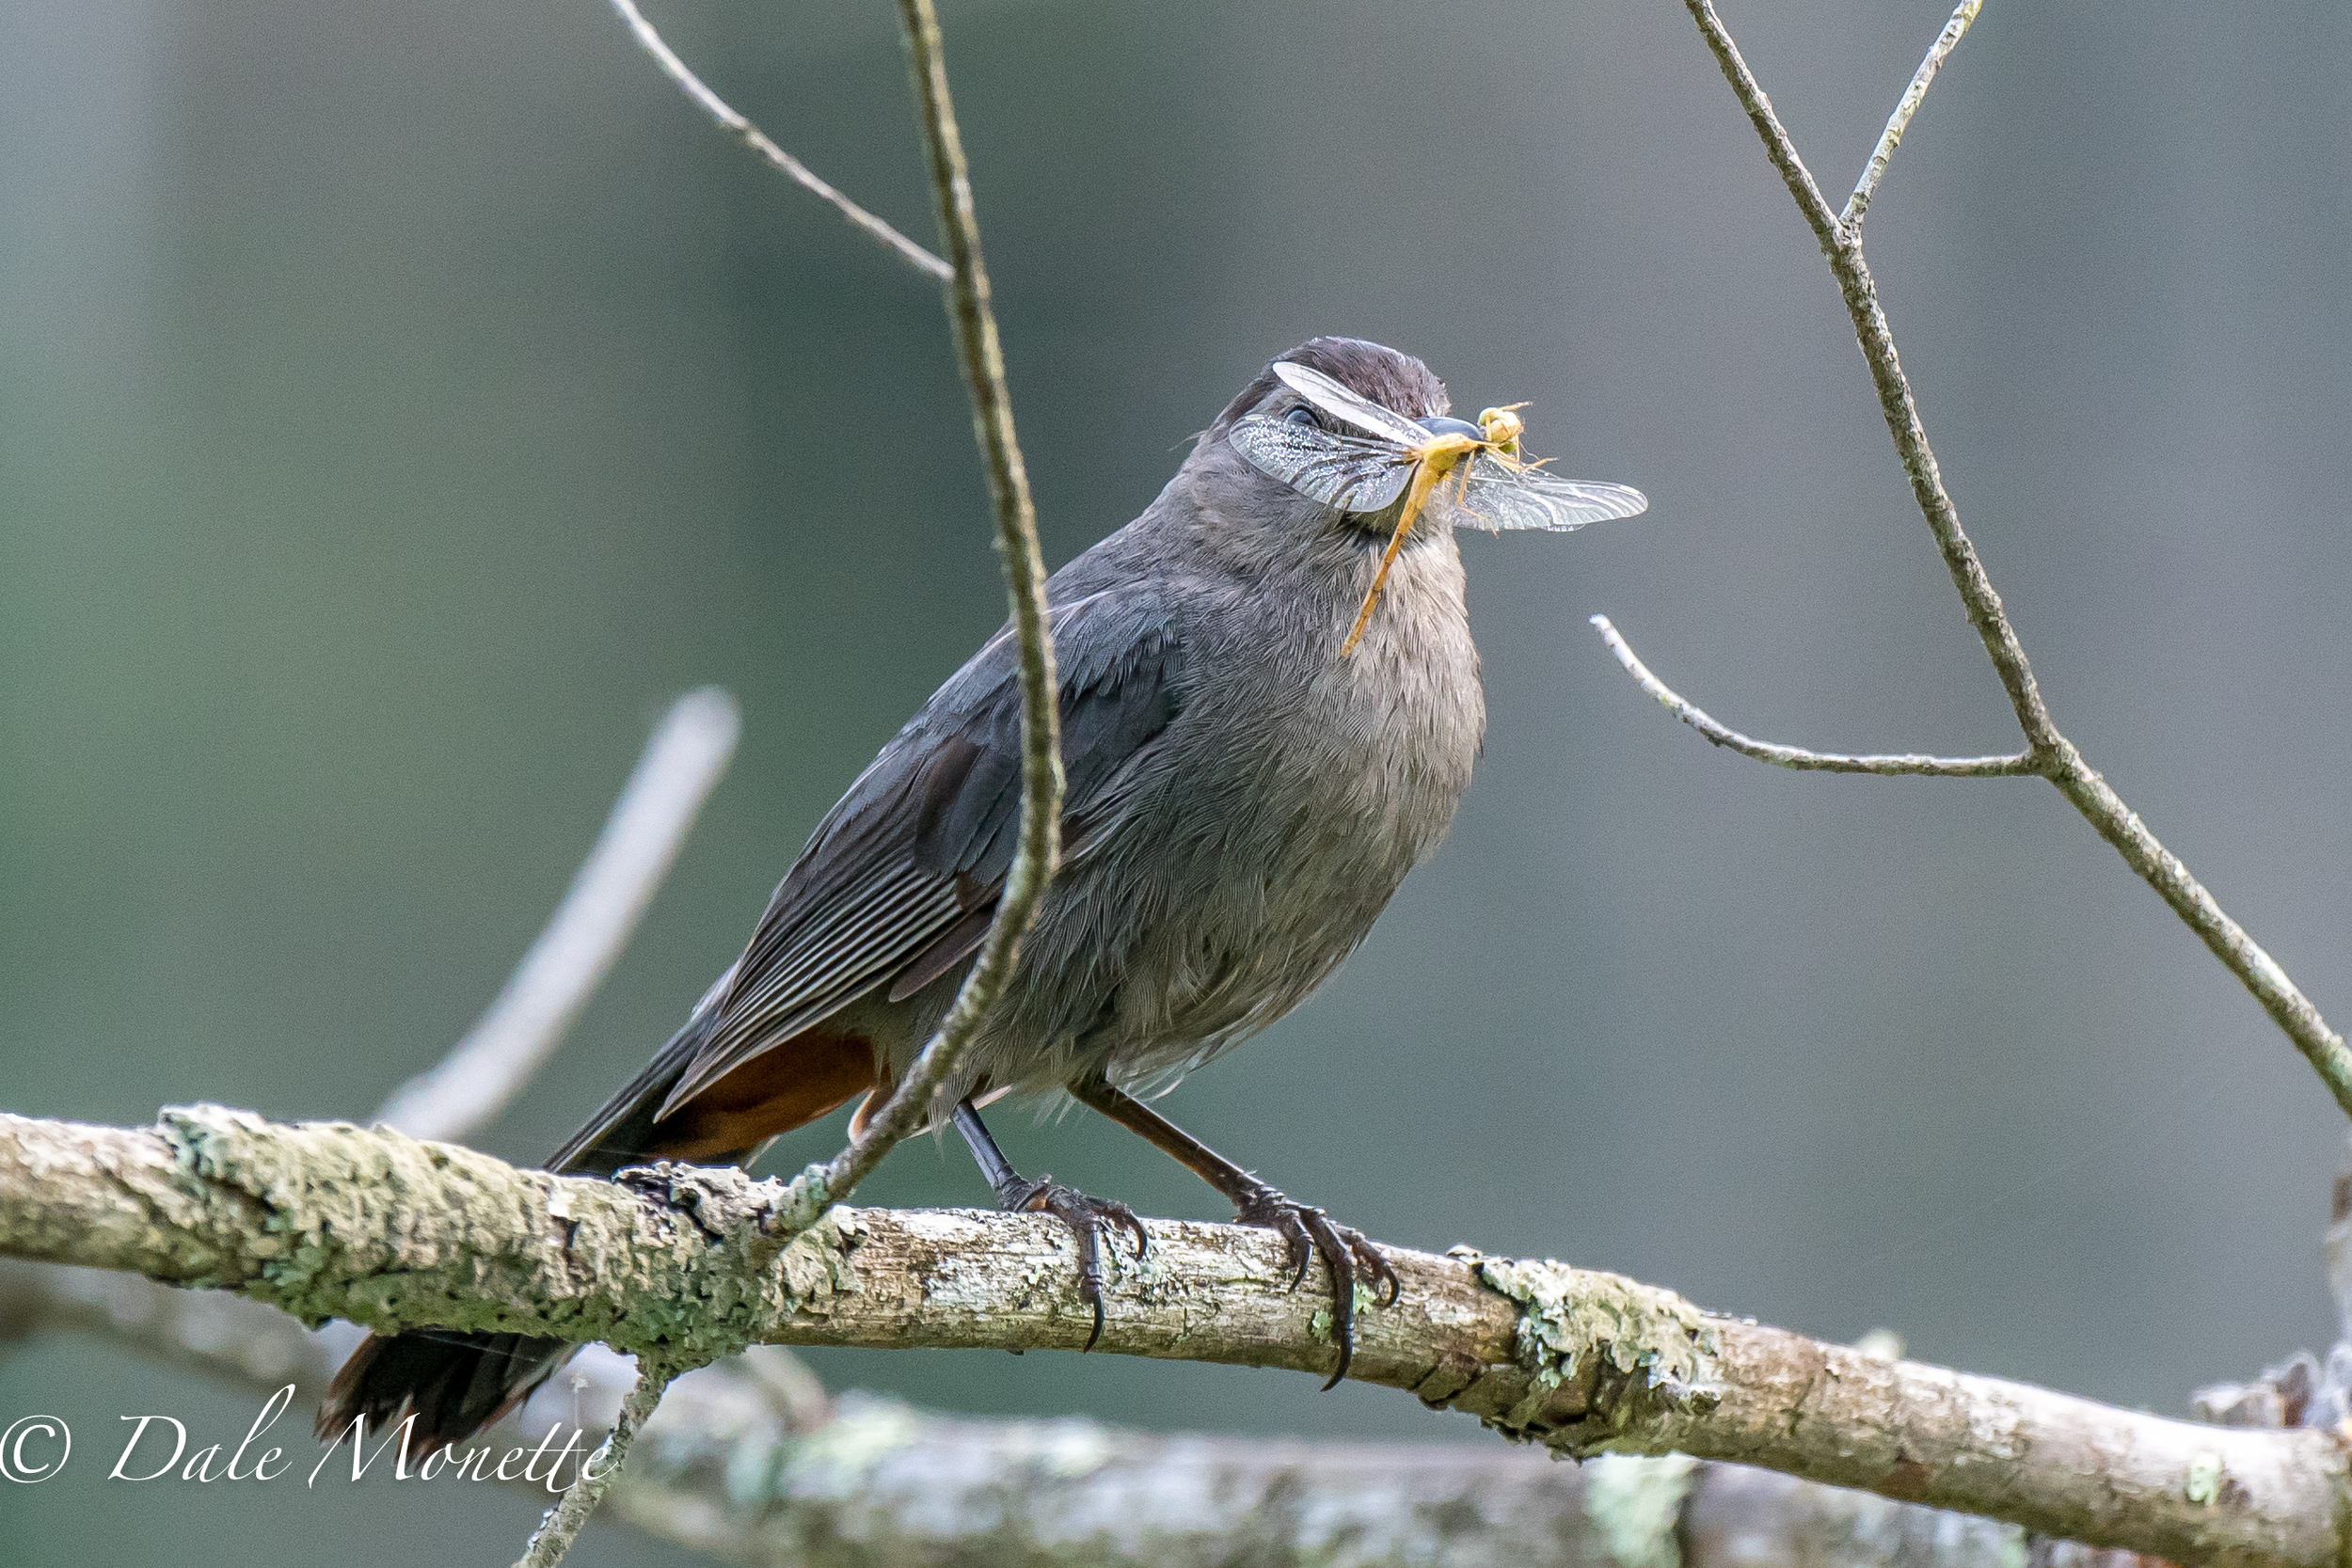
{"x": 480, "y": 1077}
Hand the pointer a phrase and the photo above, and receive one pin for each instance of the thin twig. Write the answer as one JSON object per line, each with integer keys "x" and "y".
{"x": 983, "y": 362}
{"x": 544, "y": 997}
{"x": 1895, "y": 765}
{"x": 1897, "y": 123}
{"x": 751, "y": 137}
{"x": 561, "y": 1528}
{"x": 1032, "y": 867}
{"x": 2059, "y": 762}
{"x": 1777, "y": 145}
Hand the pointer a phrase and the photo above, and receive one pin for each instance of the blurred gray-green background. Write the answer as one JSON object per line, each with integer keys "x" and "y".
{"x": 399, "y": 403}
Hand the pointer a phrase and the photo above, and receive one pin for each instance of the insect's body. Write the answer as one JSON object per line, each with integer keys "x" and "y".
{"x": 1401, "y": 462}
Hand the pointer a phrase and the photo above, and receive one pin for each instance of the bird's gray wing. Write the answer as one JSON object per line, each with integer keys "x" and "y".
{"x": 900, "y": 878}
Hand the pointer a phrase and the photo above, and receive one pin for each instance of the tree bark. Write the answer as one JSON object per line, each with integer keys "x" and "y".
{"x": 748, "y": 1462}
{"x": 330, "y": 1220}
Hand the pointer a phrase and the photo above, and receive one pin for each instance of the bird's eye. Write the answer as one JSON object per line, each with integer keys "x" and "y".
{"x": 1303, "y": 415}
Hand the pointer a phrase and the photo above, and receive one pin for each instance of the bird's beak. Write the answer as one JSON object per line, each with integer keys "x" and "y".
{"x": 1461, "y": 437}
{"x": 1438, "y": 424}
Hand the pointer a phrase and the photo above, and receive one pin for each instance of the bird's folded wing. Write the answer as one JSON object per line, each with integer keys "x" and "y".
{"x": 901, "y": 877}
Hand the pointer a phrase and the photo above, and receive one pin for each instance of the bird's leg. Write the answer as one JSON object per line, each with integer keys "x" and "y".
{"x": 1084, "y": 1215}
{"x": 1348, "y": 1253}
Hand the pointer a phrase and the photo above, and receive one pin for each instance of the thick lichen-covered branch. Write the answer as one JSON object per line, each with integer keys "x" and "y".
{"x": 339, "y": 1221}
{"x": 749, "y": 1462}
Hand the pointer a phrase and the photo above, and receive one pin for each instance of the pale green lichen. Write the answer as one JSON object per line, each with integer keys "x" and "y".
{"x": 392, "y": 1233}
{"x": 1321, "y": 1324}
{"x": 1635, "y": 1506}
{"x": 836, "y": 1460}
{"x": 2204, "y": 1477}
{"x": 805, "y": 1199}
{"x": 1577, "y": 1325}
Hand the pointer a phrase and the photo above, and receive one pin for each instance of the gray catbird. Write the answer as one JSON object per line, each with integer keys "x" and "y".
{"x": 1243, "y": 800}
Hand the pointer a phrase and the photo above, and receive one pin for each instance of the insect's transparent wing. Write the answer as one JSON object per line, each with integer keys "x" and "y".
{"x": 1498, "y": 495}
{"x": 1341, "y": 404}
{"x": 1339, "y": 471}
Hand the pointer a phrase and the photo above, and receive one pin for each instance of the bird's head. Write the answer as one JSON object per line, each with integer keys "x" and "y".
{"x": 1399, "y": 388}
{"x": 1374, "y": 371}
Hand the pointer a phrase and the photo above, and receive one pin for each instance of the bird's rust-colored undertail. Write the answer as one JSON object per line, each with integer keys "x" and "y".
{"x": 786, "y": 1086}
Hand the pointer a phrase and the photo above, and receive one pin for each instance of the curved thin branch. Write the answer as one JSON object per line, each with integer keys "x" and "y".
{"x": 2060, "y": 763}
{"x": 754, "y": 137}
{"x": 681, "y": 764}
{"x": 1892, "y": 766}
{"x": 983, "y": 362}
{"x": 365, "y": 1224}
{"x": 1946, "y": 41}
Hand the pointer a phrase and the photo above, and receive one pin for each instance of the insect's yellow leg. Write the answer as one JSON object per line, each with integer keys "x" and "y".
{"x": 1416, "y": 495}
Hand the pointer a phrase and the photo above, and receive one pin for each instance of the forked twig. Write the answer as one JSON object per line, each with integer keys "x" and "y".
{"x": 1895, "y": 765}
{"x": 2054, "y": 756}
{"x": 1897, "y": 123}
{"x": 754, "y": 137}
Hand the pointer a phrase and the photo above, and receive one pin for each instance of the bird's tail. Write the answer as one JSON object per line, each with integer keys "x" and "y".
{"x": 452, "y": 1383}
{"x": 455, "y": 1383}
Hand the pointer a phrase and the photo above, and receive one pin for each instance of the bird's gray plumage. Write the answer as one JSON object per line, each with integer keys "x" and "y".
{"x": 1242, "y": 801}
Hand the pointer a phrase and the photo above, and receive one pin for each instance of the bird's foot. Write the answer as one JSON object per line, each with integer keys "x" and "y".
{"x": 1348, "y": 1253}
{"x": 1085, "y": 1217}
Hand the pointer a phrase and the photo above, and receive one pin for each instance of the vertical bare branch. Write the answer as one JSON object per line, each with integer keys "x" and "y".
{"x": 2055, "y": 756}
{"x": 1897, "y": 123}
{"x": 784, "y": 163}
{"x": 560, "y": 1526}
{"x": 983, "y": 361}
{"x": 544, "y": 997}
{"x": 982, "y": 356}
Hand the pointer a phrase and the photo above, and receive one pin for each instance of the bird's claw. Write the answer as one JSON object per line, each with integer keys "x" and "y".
{"x": 1350, "y": 1255}
{"x": 1085, "y": 1217}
